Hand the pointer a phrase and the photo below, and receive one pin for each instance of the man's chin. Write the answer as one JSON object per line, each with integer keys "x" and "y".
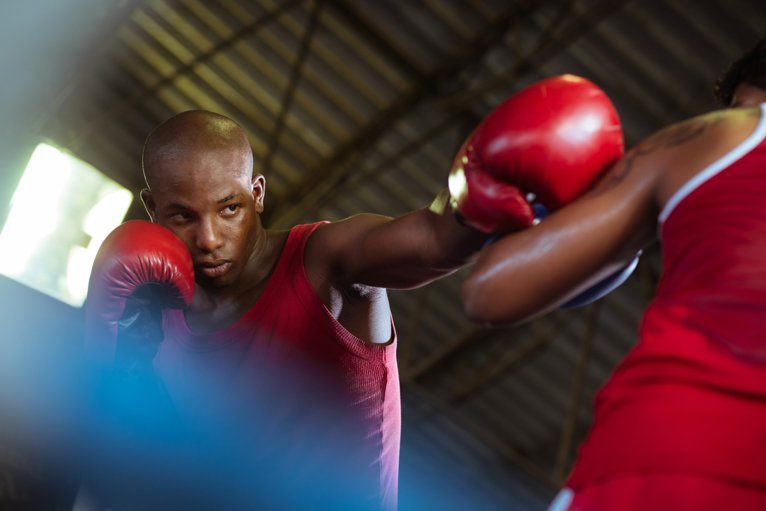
{"x": 213, "y": 282}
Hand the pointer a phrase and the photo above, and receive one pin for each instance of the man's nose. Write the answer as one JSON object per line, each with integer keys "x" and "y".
{"x": 208, "y": 237}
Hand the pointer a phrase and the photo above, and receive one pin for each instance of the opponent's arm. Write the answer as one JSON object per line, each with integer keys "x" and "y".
{"x": 534, "y": 271}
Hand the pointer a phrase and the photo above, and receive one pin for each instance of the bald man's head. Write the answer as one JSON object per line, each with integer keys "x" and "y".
{"x": 199, "y": 170}
{"x": 190, "y": 135}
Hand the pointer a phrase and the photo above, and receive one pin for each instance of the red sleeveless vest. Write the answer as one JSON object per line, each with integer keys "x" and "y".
{"x": 289, "y": 347}
{"x": 691, "y": 396}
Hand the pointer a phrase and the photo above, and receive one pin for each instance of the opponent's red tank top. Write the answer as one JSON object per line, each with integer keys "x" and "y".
{"x": 292, "y": 371}
{"x": 691, "y": 396}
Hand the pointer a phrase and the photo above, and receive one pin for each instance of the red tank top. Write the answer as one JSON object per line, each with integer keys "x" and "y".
{"x": 331, "y": 391}
{"x": 691, "y": 396}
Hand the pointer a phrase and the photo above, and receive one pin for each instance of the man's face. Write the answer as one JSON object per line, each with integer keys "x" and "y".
{"x": 208, "y": 199}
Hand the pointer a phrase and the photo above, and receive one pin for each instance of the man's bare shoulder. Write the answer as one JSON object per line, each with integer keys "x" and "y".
{"x": 680, "y": 149}
{"x": 693, "y": 132}
{"x": 689, "y": 147}
{"x": 700, "y": 127}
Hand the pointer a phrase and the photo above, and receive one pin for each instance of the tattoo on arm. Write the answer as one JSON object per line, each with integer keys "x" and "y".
{"x": 673, "y": 136}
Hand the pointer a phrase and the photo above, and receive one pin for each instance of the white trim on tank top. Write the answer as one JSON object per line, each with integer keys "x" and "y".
{"x": 562, "y": 501}
{"x": 747, "y": 145}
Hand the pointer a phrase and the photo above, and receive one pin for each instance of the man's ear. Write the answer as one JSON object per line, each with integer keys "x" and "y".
{"x": 151, "y": 207}
{"x": 259, "y": 190}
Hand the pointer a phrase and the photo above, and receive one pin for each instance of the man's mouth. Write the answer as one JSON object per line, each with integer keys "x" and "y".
{"x": 214, "y": 269}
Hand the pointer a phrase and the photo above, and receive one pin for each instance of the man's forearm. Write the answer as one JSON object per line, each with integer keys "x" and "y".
{"x": 455, "y": 245}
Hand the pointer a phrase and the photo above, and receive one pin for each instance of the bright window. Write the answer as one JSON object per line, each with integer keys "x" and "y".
{"x": 60, "y": 214}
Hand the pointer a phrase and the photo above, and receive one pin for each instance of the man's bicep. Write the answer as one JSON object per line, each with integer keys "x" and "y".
{"x": 617, "y": 218}
{"x": 379, "y": 251}
{"x": 344, "y": 246}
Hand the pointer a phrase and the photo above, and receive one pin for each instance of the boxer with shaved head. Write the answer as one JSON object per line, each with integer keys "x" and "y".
{"x": 303, "y": 313}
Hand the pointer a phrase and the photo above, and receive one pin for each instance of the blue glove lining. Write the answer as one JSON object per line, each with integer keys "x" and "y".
{"x": 604, "y": 287}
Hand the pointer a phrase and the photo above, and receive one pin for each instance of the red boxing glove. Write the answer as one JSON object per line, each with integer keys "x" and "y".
{"x": 553, "y": 139}
{"x": 140, "y": 269}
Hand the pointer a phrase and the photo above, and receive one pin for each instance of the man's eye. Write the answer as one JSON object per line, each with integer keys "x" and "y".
{"x": 181, "y": 216}
{"x": 230, "y": 209}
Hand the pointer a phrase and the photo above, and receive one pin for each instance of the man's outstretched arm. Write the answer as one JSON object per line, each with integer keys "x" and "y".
{"x": 551, "y": 140}
{"x": 401, "y": 253}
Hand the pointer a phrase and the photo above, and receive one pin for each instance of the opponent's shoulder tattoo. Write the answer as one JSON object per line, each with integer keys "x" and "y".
{"x": 754, "y": 112}
{"x": 670, "y": 137}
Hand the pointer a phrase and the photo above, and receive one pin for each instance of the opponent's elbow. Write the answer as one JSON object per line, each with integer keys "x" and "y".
{"x": 487, "y": 303}
{"x": 477, "y": 308}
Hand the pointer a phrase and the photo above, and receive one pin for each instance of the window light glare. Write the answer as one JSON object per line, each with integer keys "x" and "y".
{"x": 107, "y": 214}
{"x": 101, "y": 219}
{"x": 78, "y": 272}
{"x": 34, "y": 207}
{"x": 60, "y": 214}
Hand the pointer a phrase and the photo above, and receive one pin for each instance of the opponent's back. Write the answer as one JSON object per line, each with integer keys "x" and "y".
{"x": 713, "y": 232}
{"x": 692, "y": 393}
